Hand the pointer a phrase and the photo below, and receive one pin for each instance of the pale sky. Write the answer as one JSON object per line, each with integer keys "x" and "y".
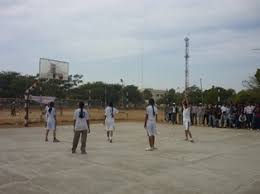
{"x": 106, "y": 40}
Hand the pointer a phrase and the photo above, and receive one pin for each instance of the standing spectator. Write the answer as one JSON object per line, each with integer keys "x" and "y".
{"x": 217, "y": 116}
{"x": 206, "y": 115}
{"x": 174, "y": 113}
{"x": 223, "y": 119}
{"x": 194, "y": 111}
{"x": 242, "y": 120}
{"x": 166, "y": 112}
{"x": 248, "y": 110}
{"x": 257, "y": 118}
{"x": 170, "y": 114}
{"x": 180, "y": 109}
{"x": 200, "y": 113}
{"x": 211, "y": 116}
{"x": 13, "y": 109}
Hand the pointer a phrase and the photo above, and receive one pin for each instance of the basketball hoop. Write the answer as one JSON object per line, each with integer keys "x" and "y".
{"x": 53, "y": 69}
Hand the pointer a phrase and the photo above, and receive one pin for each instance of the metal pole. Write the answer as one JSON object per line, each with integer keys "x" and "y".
{"x": 89, "y": 98}
{"x": 186, "y": 64}
{"x": 201, "y": 90}
{"x": 122, "y": 93}
{"x": 105, "y": 95}
{"x": 218, "y": 96}
{"x": 127, "y": 100}
{"x": 26, "y": 106}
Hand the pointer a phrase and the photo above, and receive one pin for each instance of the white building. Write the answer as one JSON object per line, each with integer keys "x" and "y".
{"x": 157, "y": 94}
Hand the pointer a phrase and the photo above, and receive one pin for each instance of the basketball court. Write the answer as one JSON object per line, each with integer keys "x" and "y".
{"x": 220, "y": 161}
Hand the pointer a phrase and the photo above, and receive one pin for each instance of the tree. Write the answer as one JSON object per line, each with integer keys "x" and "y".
{"x": 226, "y": 96}
{"x": 253, "y": 82}
{"x": 14, "y": 84}
{"x": 194, "y": 94}
{"x": 134, "y": 95}
{"x": 147, "y": 94}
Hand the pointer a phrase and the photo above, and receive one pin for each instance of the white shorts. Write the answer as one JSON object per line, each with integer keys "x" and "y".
{"x": 186, "y": 125}
{"x": 151, "y": 129}
{"x": 110, "y": 125}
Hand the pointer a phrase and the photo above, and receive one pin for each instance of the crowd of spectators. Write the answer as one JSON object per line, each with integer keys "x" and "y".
{"x": 221, "y": 116}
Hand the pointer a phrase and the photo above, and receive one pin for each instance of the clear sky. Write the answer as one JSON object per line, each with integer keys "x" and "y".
{"x": 106, "y": 40}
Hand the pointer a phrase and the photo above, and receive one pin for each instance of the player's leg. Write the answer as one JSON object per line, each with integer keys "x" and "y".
{"x": 186, "y": 130}
{"x": 189, "y": 133}
{"x": 54, "y": 136}
{"x": 83, "y": 141}
{"x": 46, "y": 135}
{"x": 107, "y": 135}
{"x": 75, "y": 141}
{"x": 110, "y": 136}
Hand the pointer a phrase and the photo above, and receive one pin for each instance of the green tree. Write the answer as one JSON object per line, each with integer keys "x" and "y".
{"x": 134, "y": 95}
{"x": 14, "y": 84}
{"x": 147, "y": 94}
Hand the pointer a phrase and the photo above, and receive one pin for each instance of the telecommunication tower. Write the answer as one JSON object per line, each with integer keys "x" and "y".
{"x": 187, "y": 56}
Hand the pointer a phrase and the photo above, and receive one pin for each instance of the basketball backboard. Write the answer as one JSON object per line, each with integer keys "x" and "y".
{"x": 53, "y": 69}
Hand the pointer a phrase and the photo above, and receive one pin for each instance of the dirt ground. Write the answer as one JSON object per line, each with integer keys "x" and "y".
{"x": 66, "y": 116}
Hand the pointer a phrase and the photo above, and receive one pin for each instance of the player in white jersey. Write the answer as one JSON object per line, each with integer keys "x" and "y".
{"x": 187, "y": 119}
{"x": 150, "y": 123}
{"x": 51, "y": 122}
{"x": 109, "y": 122}
{"x": 81, "y": 127}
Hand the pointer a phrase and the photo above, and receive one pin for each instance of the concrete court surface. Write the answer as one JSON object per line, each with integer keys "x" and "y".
{"x": 220, "y": 161}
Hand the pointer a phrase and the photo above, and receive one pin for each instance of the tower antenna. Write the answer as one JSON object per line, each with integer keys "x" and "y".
{"x": 187, "y": 56}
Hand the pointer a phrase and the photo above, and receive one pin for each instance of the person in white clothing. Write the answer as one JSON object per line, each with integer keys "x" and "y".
{"x": 150, "y": 123}
{"x": 81, "y": 127}
{"x": 46, "y": 108}
{"x": 109, "y": 122}
{"x": 187, "y": 119}
{"x": 51, "y": 122}
{"x": 248, "y": 110}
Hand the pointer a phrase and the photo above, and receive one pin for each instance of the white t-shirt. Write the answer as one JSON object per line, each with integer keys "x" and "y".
{"x": 149, "y": 112}
{"x": 51, "y": 115}
{"x": 81, "y": 123}
{"x": 249, "y": 109}
{"x": 186, "y": 114}
{"x": 174, "y": 109}
{"x": 194, "y": 109}
{"x": 110, "y": 115}
{"x": 224, "y": 109}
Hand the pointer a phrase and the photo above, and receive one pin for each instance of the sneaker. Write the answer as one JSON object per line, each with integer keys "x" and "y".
{"x": 192, "y": 141}
{"x": 155, "y": 148}
{"x": 83, "y": 152}
{"x": 149, "y": 149}
{"x": 46, "y": 139}
{"x": 56, "y": 140}
{"x": 110, "y": 141}
{"x": 73, "y": 151}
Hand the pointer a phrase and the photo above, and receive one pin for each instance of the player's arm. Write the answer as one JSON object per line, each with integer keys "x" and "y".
{"x": 88, "y": 124}
{"x": 145, "y": 120}
{"x": 105, "y": 117}
{"x": 74, "y": 123}
{"x": 74, "y": 120}
{"x": 55, "y": 120}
